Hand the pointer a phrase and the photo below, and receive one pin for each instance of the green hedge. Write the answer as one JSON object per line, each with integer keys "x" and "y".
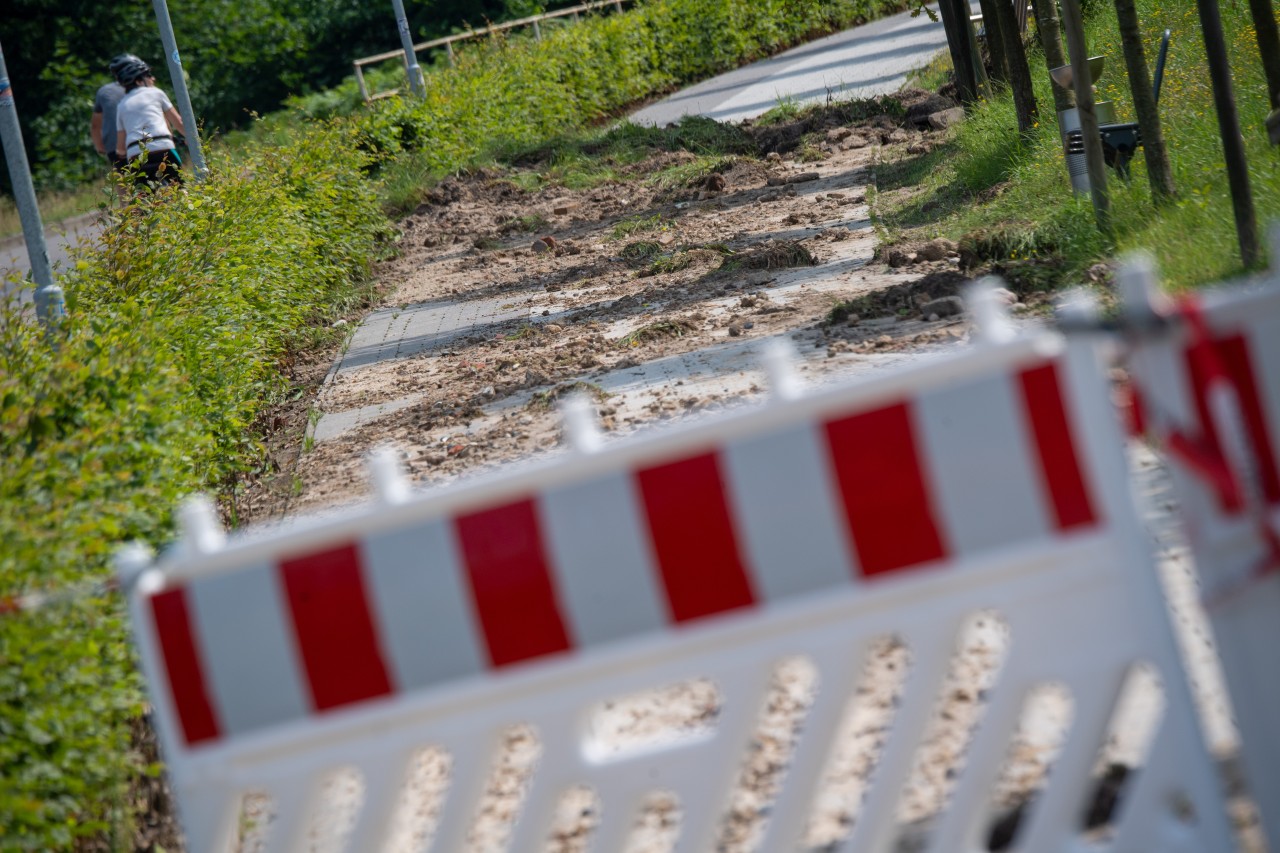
{"x": 521, "y": 91}
{"x": 147, "y": 394}
{"x": 150, "y": 389}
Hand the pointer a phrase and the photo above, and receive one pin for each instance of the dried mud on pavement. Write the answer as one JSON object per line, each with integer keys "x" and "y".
{"x": 654, "y": 295}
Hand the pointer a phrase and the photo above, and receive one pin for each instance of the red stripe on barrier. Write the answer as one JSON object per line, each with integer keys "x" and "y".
{"x": 886, "y": 502}
{"x": 693, "y": 540}
{"x": 333, "y": 627}
{"x": 511, "y": 583}
{"x": 1056, "y": 447}
{"x": 1233, "y": 353}
{"x": 187, "y": 685}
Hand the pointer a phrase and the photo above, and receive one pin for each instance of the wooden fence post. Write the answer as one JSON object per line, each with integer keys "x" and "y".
{"x": 1215, "y": 48}
{"x": 1073, "y": 23}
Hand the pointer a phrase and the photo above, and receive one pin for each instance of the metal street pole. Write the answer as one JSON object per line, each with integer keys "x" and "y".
{"x": 1224, "y": 99}
{"x": 24, "y": 195}
{"x": 180, "y": 88}
{"x": 416, "y": 83}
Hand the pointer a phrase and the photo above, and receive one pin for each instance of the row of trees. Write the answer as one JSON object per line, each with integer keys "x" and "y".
{"x": 241, "y": 56}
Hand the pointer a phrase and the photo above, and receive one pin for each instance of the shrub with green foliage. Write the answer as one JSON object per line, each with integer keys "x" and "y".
{"x": 517, "y": 92}
{"x": 147, "y": 393}
{"x": 150, "y": 389}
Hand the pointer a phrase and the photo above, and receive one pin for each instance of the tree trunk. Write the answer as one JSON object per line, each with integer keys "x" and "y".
{"x": 1264, "y": 24}
{"x": 961, "y": 56}
{"x": 1024, "y": 97}
{"x": 1159, "y": 172}
{"x": 1073, "y": 26}
{"x": 1050, "y": 30}
{"x": 991, "y": 20}
{"x": 1233, "y": 153}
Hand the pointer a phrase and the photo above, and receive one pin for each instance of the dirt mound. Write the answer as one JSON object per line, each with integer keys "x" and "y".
{"x": 901, "y": 299}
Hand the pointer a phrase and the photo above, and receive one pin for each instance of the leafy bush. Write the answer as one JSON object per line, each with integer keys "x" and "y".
{"x": 150, "y": 389}
{"x": 147, "y": 393}
{"x": 506, "y": 94}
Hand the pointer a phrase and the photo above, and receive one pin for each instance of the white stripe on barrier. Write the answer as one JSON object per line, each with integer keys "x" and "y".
{"x": 607, "y": 578}
{"x": 987, "y": 492}
{"x": 781, "y": 490}
{"x": 415, "y": 581}
{"x": 243, "y": 628}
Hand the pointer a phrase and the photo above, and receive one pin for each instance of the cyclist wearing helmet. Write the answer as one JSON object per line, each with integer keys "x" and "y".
{"x": 102, "y": 127}
{"x": 145, "y": 121}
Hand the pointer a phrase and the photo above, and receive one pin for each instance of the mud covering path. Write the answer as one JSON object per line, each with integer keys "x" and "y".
{"x": 656, "y": 296}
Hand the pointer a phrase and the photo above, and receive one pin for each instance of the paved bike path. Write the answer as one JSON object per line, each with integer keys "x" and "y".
{"x": 863, "y": 62}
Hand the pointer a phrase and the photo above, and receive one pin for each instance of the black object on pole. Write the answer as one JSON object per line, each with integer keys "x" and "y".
{"x": 180, "y": 88}
{"x": 1082, "y": 80}
{"x": 1215, "y": 48}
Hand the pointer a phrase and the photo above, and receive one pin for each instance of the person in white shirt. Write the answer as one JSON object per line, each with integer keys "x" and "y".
{"x": 145, "y": 124}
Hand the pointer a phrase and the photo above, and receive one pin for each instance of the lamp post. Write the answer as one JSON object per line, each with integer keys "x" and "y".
{"x": 416, "y": 82}
{"x": 49, "y": 306}
{"x": 180, "y": 88}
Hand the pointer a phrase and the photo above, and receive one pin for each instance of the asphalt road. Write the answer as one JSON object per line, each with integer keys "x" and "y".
{"x": 60, "y": 238}
{"x": 863, "y": 62}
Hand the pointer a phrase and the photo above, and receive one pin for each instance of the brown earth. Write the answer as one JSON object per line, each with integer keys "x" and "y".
{"x": 616, "y": 279}
{"x": 634, "y": 271}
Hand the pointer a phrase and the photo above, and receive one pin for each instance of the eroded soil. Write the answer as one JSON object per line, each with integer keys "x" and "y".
{"x": 653, "y": 295}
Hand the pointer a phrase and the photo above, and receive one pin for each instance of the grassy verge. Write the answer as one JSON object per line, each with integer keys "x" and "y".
{"x": 1008, "y": 200}
{"x": 55, "y": 206}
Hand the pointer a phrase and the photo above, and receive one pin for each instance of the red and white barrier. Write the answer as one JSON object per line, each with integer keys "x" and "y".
{"x": 1208, "y": 392}
{"x": 811, "y": 525}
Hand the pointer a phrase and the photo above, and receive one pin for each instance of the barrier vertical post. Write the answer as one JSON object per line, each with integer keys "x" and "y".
{"x": 180, "y": 93}
{"x": 1207, "y": 397}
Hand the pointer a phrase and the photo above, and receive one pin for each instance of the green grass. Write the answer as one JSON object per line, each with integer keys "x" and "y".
{"x": 542, "y": 401}
{"x": 57, "y": 205}
{"x": 787, "y": 109}
{"x": 633, "y": 225}
{"x": 1010, "y": 199}
{"x": 655, "y": 331}
{"x": 692, "y": 173}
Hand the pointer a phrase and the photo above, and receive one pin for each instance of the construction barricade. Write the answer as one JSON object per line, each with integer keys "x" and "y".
{"x": 1206, "y": 380}
{"x": 810, "y": 526}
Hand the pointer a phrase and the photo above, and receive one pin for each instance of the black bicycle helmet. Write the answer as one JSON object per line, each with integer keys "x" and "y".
{"x": 132, "y": 71}
{"x": 121, "y": 61}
